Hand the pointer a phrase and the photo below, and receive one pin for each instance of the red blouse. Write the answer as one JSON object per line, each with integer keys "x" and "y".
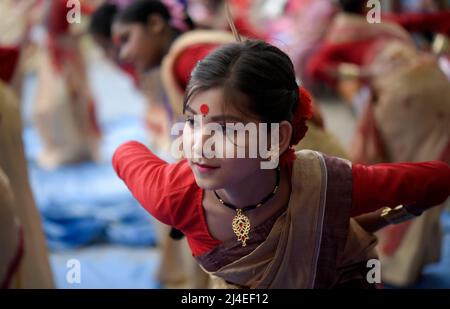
{"x": 170, "y": 194}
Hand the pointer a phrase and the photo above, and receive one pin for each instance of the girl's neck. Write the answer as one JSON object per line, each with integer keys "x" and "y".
{"x": 251, "y": 190}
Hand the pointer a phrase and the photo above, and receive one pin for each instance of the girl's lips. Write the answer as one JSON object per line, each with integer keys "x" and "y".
{"x": 203, "y": 168}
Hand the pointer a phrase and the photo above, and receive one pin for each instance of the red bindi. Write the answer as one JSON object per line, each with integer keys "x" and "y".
{"x": 204, "y": 109}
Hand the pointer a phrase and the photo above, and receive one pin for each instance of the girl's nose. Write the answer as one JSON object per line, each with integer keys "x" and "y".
{"x": 197, "y": 146}
{"x": 204, "y": 144}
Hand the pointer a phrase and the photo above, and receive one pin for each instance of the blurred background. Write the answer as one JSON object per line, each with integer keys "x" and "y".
{"x": 78, "y": 78}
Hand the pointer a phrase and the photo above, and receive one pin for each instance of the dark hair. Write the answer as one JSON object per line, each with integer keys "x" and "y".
{"x": 255, "y": 70}
{"x": 140, "y": 10}
{"x": 353, "y": 6}
{"x": 102, "y": 20}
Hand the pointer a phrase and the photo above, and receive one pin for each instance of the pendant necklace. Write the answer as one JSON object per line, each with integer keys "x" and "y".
{"x": 241, "y": 223}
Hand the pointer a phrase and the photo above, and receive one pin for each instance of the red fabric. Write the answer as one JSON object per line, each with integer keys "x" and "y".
{"x": 9, "y": 57}
{"x": 169, "y": 191}
{"x": 396, "y": 236}
{"x": 87, "y": 8}
{"x": 421, "y": 22}
{"x": 241, "y": 18}
{"x": 397, "y": 232}
{"x": 187, "y": 60}
{"x": 303, "y": 112}
{"x": 57, "y": 19}
{"x": 131, "y": 71}
{"x": 329, "y": 56}
{"x": 57, "y": 23}
{"x": 380, "y": 185}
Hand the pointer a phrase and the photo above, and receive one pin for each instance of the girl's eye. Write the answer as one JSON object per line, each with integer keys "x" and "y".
{"x": 190, "y": 121}
{"x": 224, "y": 127}
{"x": 229, "y": 130}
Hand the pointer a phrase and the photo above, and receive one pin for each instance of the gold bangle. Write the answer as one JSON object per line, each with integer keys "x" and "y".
{"x": 397, "y": 215}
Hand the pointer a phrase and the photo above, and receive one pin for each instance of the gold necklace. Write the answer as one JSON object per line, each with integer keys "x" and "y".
{"x": 241, "y": 223}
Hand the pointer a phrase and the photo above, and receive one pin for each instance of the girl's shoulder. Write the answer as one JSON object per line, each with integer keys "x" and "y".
{"x": 307, "y": 157}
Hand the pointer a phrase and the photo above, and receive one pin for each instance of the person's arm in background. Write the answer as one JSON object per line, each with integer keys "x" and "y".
{"x": 325, "y": 64}
{"x": 435, "y": 22}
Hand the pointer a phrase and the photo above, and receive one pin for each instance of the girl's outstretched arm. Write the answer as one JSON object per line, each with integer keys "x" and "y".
{"x": 161, "y": 188}
{"x": 421, "y": 185}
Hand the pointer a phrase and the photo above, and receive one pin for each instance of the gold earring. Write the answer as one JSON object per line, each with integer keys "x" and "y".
{"x": 273, "y": 152}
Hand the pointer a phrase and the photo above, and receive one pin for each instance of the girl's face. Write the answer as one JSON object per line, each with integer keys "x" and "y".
{"x": 137, "y": 45}
{"x": 218, "y": 172}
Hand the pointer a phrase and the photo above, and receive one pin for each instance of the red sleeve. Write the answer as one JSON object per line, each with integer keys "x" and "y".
{"x": 421, "y": 22}
{"x": 187, "y": 60}
{"x": 329, "y": 56}
{"x": 57, "y": 18}
{"x": 319, "y": 64}
{"x": 382, "y": 185}
{"x": 161, "y": 188}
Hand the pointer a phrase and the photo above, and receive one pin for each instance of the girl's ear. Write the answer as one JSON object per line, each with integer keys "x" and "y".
{"x": 155, "y": 24}
{"x": 285, "y": 135}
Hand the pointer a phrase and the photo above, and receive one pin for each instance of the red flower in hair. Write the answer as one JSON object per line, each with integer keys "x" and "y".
{"x": 303, "y": 112}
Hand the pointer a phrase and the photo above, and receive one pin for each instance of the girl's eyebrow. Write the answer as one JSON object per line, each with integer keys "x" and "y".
{"x": 218, "y": 117}
{"x": 226, "y": 117}
{"x": 189, "y": 109}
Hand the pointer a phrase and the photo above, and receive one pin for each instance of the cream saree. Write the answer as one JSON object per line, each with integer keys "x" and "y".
{"x": 347, "y": 28}
{"x": 34, "y": 270}
{"x": 11, "y": 240}
{"x": 313, "y": 244}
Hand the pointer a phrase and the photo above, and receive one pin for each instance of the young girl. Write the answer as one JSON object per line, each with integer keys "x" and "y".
{"x": 288, "y": 227}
